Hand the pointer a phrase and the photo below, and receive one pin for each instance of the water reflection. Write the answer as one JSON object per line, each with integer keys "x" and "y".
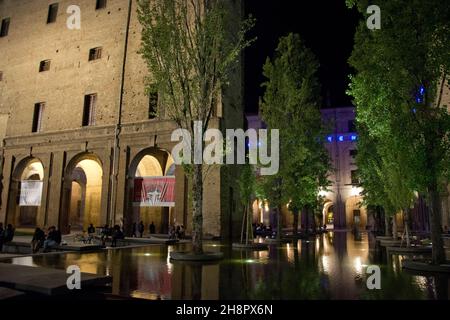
{"x": 331, "y": 266}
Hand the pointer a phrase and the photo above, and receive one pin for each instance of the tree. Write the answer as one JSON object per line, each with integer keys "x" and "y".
{"x": 247, "y": 181}
{"x": 291, "y": 102}
{"x": 401, "y": 72}
{"x": 191, "y": 47}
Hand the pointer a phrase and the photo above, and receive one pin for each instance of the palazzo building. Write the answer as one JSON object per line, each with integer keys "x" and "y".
{"x": 79, "y": 133}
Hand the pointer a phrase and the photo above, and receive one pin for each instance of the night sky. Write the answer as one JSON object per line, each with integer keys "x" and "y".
{"x": 326, "y": 26}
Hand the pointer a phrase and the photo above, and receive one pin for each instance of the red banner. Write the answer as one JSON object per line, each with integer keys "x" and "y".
{"x": 154, "y": 192}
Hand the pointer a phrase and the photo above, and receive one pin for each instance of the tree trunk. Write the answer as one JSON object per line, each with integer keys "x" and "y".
{"x": 295, "y": 224}
{"x": 438, "y": 254}
{"x": 406, "y": 221}
{"x": 386, "y": 225}
{"x": 249, "y": 224}
{"x": 279, "y": 223}
{"x": 394, "y": 227}
{"x": 243, "y": 224}
{"x": 197, "y": 215}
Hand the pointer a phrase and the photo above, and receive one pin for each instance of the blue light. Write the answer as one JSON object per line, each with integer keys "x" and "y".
{"x": 420, "y": 94}
{"x": 353, "y": 137}
{"x": 341, "y": 138}
{"x": 330, "y": 138}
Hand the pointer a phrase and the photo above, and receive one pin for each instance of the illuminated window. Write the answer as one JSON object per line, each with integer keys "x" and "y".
{"x": 44, "y": 65}
{"x": 101, "y": 4}
{"x": 90, "y": 102}
{"x": 95, "y": 53}
{"x": 5, "y": 27}
{"x": 52, "y": 13}
{"x": 152, "y": 104}
{"x": 37, "y": 117}
{"x": 354, "y": 177}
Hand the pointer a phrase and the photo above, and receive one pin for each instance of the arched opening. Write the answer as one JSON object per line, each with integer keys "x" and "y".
{"x": 328, "y": 214}
{"x": 82, "y": 194}
{"x": 356, "y": 214}
{"x": 25, "y": 194}
{"x": 150, "y": 191}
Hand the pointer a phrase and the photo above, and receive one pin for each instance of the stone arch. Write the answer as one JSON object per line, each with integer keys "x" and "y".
{"x": 82, "y": 192}
{"x": 25, "y": 210}
{"x": 328, "y": 213}
{"x": 149, "y": 162}
{"x": 355, "y": 212}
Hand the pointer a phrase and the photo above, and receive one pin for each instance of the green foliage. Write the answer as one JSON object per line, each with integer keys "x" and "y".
{"x": 191, "y": 48}
{"x": 247, "y": 181}
{"x": 291, "y": 103}
{"x": 411, "y": 50}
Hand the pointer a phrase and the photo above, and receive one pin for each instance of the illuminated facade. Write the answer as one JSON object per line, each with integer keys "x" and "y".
{"x": 73, "y": 108}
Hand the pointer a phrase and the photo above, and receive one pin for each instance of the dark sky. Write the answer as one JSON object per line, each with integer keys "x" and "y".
{"x": 326, "y": 26}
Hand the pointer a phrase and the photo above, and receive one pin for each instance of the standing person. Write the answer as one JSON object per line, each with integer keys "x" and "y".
{"x": 141, "y": 228}
{"x": 116, "y": 234}
{"x": 2, "y": 231}
{"x": 105, "y": 234}
{"x": 152, "y": 228}
{"x": 38, "y": 240}
{"x": 133, "y": 234}
{"x": 8, "y": 233}
{"x": 91, "y": 233}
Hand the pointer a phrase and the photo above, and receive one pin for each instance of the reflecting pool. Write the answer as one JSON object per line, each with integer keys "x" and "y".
{"x": 331, "y": 266}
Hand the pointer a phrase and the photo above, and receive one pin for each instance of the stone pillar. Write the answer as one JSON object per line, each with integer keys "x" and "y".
{"x": 7, "y": 176}
{"x": 46, "y": 163}
{"x": 54, "y": 200}
{"x": 181, "y": 197}
{"x": 107, "y": 177}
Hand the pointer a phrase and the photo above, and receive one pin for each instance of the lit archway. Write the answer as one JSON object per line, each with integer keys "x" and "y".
{"x": 355, "y": 212}
{"x": 82, "y": 193}
{"x": 25, "y": 194}
{"x": 150, "y": 163}
{"x": 328, "y": 214}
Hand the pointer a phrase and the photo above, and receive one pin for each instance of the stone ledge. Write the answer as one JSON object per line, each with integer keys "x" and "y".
{"x": 251, "y": 246}
{"x": 192, "y": 257}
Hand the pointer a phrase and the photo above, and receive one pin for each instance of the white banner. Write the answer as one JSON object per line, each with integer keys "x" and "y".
{"x": 30, "y": 192}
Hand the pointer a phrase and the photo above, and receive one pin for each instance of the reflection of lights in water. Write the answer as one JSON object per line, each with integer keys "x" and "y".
{"x": 326, "y": 264}
{"x": 317, "y": 244}
{"x": 169, "y": 264}
{"x": 145, "y": 295}
{"x": 358, "y": 265}
{"x": 249, "y": 261}
{"x": 107, "y": 272}
{"x": 422, "y": 282}
{"x": 290, "y": 252}
{"x": 25, "y": 261}
{"x": 147, "y": 254}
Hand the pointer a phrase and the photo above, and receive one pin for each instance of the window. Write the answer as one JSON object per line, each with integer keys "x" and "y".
{"x": 5, "y": 27}
{"x": 95, "y": 53}
{"x": 152, "y": 104}
{"x": 37, "y": 116}
{"x": 353, "y": 153}
{"x": 1, "y": 75}
{"x": 351, "y": 126}
{"x": 44, "y": 65}
{"x": 354, "y": 177}
{"x": 101, "y": 4}
{"x": 52, "y": 13}
{"x": 90, "y": 101}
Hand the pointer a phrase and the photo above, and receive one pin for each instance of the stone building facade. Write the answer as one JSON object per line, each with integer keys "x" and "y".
{"x": 74, "y": 114}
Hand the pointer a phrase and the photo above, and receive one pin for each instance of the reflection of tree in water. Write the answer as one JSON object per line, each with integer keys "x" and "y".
{"x": 394, "y": 286}
{"x": 298, "y": 280}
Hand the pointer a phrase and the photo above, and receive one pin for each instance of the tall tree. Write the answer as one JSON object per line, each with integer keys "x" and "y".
{"x": 402, "y": 70}
{"x": 191, "y": 47}
{"x": 291, "y": 103}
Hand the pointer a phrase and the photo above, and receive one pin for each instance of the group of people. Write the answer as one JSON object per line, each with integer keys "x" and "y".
{"x": 176, "y": 232}
{"x": 6, "y": 235}
{"x": 115, "y": 233}
{"x": 47, "y": 241}
{"x": 141, "y": 228}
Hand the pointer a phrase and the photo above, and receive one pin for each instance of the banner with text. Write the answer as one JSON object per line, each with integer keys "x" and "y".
{"x": 154, "y": 192}
{"x": 30, "y": 192}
